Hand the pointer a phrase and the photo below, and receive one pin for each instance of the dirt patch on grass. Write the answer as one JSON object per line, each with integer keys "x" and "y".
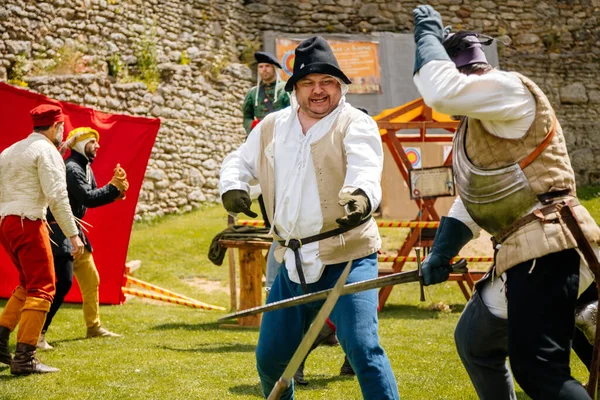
{"x": 207, "y": 285}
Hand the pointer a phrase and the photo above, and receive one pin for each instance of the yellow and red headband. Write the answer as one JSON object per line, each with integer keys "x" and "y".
{"x": 82, "y": 133}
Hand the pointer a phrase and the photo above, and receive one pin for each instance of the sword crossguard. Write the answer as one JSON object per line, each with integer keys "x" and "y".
{"x": 459, "y": 267}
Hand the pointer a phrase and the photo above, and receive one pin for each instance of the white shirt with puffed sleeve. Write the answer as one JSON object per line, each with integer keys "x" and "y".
{"x": 33, "y": 178}
{"x": 298, "y": 207}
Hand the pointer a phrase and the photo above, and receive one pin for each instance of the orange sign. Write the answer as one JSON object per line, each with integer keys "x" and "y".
{"x": 358, "y": 60}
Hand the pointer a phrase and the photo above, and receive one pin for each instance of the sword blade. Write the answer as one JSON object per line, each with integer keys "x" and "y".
{"x": 390, "y": 280}
{"x": 310, "y": 336}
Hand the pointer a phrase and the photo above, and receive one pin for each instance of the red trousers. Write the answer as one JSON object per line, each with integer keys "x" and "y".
{"x": 28, "y": 245}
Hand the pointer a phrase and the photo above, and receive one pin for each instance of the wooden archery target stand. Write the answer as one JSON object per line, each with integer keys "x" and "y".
{"x": 410, "y": 118}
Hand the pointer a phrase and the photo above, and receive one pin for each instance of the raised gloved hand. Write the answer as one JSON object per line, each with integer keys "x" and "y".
{"x": 450, "y": 237}
{"x": 428, "y": 22}
{"x": 119, "y": 180}
{"x": 429, "y": 35}
{"x": 358, "y": 205}
{"x": 238, "y": 201}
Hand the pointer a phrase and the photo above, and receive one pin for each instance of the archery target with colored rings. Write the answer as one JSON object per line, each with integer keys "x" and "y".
{"x": 287, "y": 62}
{"x": 414, "y": 156}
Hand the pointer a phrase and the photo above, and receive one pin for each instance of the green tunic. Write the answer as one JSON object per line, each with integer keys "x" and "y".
{"x": 260, "y": 111}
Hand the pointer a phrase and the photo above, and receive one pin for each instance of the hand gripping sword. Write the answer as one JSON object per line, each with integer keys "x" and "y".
{"x": 310, "y": 336}
{"x": 390, "y": 280}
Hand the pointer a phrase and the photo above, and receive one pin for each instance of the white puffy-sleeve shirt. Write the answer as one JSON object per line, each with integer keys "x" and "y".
{"x": 33, "y": 177}
{"x": 298, "y": 207}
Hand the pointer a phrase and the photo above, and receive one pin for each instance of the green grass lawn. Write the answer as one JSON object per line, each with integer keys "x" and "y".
{"x": 174, "y": 352}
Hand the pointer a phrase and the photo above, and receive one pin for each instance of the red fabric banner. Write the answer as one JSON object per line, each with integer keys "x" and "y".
{"x": 125, "y": 140}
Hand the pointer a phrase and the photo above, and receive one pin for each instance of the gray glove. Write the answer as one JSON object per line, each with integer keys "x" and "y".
{"x": 238, "y": 201}
{"x": 428, "y": 22}
{"x": 429, "y": 36}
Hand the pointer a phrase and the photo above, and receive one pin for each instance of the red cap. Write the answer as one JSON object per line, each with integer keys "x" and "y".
{"x": 46, "y": 115}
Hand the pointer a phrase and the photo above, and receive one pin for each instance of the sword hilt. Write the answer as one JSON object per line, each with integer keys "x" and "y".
{"x": 459, "y": 267}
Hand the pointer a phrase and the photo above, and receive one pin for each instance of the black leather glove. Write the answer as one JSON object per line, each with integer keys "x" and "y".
{"x": 358, "y": 205}
{"x": 238, "y": 201}
{"x": 450, "y": 237}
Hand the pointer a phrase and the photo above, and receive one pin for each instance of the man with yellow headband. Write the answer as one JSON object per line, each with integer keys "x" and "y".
{"x": 83, "y": 193}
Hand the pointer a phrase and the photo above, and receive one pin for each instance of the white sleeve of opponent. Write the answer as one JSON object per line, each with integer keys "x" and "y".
{"x": 459, "y": 212}
{"x": 499, "y": 99}
{"x": 53, "y": 180}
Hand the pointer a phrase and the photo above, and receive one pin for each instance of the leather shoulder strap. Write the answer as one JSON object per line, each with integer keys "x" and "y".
{"x": 540, "y": 147}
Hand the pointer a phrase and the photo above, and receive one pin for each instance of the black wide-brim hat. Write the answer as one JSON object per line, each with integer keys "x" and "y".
{"x": 264, "y": 57}
{"x": 314, "y": 56}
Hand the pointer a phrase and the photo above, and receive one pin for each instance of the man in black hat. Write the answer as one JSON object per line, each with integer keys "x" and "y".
{"x": 268, "y": 95}
{"x": 319, "y": 165}
{"x": 523, "y": 193}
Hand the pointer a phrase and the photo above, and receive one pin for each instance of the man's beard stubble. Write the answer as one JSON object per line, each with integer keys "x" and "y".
{"x": 90, "y": 156}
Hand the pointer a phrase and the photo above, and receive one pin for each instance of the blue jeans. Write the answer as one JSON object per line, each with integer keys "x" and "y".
{"x": 355, "y": 317}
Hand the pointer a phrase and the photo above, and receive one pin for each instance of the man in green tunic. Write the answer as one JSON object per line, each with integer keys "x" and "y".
{"x": 268, "y": 95}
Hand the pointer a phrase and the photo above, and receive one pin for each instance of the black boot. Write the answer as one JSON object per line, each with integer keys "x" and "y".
{"x": 346, "y": 369}
{"x": 25, "y": 362}
{"x": 299, "y": 375}
{"x": 5, "y": 356}
{"x": 325, "y": 337}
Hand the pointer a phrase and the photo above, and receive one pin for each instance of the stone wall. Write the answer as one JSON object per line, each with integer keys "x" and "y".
{"x": 555, "y": 43}
{"x": 97, "y": 53}
{"x": 197, "y": 45}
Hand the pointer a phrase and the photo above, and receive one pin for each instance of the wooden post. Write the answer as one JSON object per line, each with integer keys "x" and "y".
{"x": 251, "y": 266}
{"x": 232, "y": 279}
{"x": 232, "y": 282}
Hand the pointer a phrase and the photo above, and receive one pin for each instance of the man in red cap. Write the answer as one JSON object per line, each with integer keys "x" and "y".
{"x": 32, "y": 177}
